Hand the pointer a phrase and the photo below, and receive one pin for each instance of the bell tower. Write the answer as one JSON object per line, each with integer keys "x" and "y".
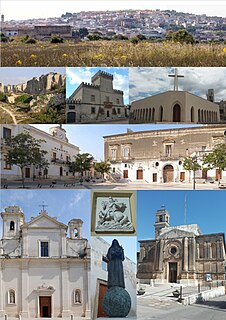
{"x": 162, "y": 220}
{"x": 13, "y": 219}
{"x": 75, "y": 228}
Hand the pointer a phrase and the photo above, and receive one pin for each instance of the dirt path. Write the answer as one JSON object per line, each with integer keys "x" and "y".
{"x": 10, "y": 113}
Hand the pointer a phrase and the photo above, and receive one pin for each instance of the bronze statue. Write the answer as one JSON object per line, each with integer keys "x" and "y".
{"x": 115, "y": 257}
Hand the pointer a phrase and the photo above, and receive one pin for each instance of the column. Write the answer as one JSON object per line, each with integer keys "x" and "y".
{"x": 24, "y": 289}
{"x": 194, "y": 254}
{"x": 63, "y": 252}
{"x": 64, "y": 289}
{"x": 161, "y": 255}
{"x": 185, "y": 254}
{"x": 86, "y": 290}
{"x": 2, "y": 312}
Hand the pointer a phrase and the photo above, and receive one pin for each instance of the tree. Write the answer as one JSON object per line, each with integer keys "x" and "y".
{"x": 183, "y": 36}
{"x": 82, "y": 163}
{"x": 24, "y": 150}
{"x": 216, "y": 159}
{"x": 83, "y": 32}
{"x": 191, "y": 164}
{"x": 102, "y": 167}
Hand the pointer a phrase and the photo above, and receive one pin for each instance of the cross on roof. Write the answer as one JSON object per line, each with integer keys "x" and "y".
{"x": 43, "y": 205}
{"x": 175, "y": 76}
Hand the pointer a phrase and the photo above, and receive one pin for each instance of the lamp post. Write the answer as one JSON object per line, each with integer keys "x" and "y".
{"x": 194, "y": 160}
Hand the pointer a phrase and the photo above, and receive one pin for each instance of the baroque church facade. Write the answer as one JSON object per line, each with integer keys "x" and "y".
{"x": 97, "y": 101}
{"x": 43, "y": 273}
{"x": 181, "y": 254}
{"x": 156, "y": 156}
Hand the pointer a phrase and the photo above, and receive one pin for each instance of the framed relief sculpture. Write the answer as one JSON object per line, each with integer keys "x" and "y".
{"x": 113, "y": 212}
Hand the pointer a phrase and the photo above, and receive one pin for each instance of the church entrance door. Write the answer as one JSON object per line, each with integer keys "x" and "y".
{"x": 172, "y": 272}
{"x": 45, "y": 307}
{"x": 27, "y": 173}
{"x": 168, "y": 173}
{"x": 102, "y": 289}
{"x": 176, "y": 113}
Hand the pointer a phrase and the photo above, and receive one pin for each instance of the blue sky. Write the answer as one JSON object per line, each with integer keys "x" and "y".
{"x": 145, "y": 82}
{"x": 20, "y": 75}
{"x": 205, "y": 208}
{"x": 128, "y": 243}
{"x": 52, "y": 8}
{"x": 75, "y": 76}
{"x": 63, "y": 204}
{"x": 89, "y": 138}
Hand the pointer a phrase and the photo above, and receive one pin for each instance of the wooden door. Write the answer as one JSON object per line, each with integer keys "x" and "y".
{"x": 182, "y": 176}
{"x": 27, "y": 173}
{"x": 139, "y": 174}
{"x": 125, "y": 174}
{"x": 102, "y": 289}
{"x": 176, "y": 113}
{"x": 154, "y": 177}
{"x": 168, "y": 173}
{"x": 45, "y": 307}
{"x": 204, "y": 174}
{"x": 173, "y": 272}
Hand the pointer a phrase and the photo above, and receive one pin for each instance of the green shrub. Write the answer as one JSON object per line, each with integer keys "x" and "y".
{"x": 30, "y": 41}
{"x": 2, "y": 96}
{"x": 57, "y": 40}
{"x": 134, "y": 40}
{"x": 25, "y": 98}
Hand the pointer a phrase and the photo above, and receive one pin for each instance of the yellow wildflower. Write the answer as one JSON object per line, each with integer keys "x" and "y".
{"x": 65, "y": 55}
{"x": 98, "y": 56}
{"x": 224, "y": 50}
{"x": 124, "y": 57}
{"x": 19, "y": 62}
{"x": 33, "y": 56}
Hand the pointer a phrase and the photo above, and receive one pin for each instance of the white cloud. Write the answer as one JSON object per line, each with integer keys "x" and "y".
{"x": 78, "y": 75}
{"x": 149, "y": 81}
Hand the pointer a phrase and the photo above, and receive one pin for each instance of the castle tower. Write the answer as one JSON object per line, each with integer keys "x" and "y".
{"x": 13, "y": 219}
{"x": 104, "y": 80}
{"x": 2, "y": 19}
{"x": 210, "y": 95}
{"x": 162, "y": 220}
{"x": 75, "y": 228}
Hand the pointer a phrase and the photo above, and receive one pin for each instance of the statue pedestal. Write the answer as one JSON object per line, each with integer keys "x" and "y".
{"x": 117, "y": 302}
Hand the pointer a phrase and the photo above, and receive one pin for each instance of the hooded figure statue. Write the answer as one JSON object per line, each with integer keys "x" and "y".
{"x": 115, "y": 257}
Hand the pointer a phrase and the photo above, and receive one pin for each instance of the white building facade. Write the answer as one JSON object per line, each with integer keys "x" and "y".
{"x": 59, "y": 152}
{"x": 43, "y": 273}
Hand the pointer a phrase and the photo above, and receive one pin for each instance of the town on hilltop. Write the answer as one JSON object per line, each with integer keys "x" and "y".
{"x": 152, "y": 24}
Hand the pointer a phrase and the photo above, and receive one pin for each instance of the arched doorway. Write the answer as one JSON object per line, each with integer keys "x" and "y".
{"x": 176, "y": 113}
{"x": 168, "y": 173}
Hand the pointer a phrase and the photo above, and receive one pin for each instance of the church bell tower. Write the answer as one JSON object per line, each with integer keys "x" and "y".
{"x": 162, "y": 220}
{"x": 13, "y": 219}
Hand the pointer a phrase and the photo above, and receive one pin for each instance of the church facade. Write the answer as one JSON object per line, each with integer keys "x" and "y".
{"x": 43, "y": 273}
{"x": 181, "y": 254}
{"x": 97, "y": 101}
{"x": 156, "y": 156}
{"x": 174, "y": 106}
{"x": 59, "y": 152}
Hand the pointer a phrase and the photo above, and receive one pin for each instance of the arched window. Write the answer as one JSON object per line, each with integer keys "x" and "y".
{"x": 12, "y": 298}
{"x": 77, "y": 296}
{"x": 12, "y": 225}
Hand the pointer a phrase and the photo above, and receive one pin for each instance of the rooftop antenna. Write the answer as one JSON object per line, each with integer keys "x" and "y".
{"x": 175, "y": 76}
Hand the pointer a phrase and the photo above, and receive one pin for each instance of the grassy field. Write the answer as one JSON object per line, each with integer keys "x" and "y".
{"x": 112, "y": 53}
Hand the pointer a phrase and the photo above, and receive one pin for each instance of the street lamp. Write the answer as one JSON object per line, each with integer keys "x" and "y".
{"x": 194, "y": 163}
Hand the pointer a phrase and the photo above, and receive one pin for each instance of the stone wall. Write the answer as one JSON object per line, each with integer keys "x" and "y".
{"x": 37, "y": 85}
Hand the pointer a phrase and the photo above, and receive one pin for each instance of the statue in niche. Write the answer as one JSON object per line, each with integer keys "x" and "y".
{"x": 115, "y": 257}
